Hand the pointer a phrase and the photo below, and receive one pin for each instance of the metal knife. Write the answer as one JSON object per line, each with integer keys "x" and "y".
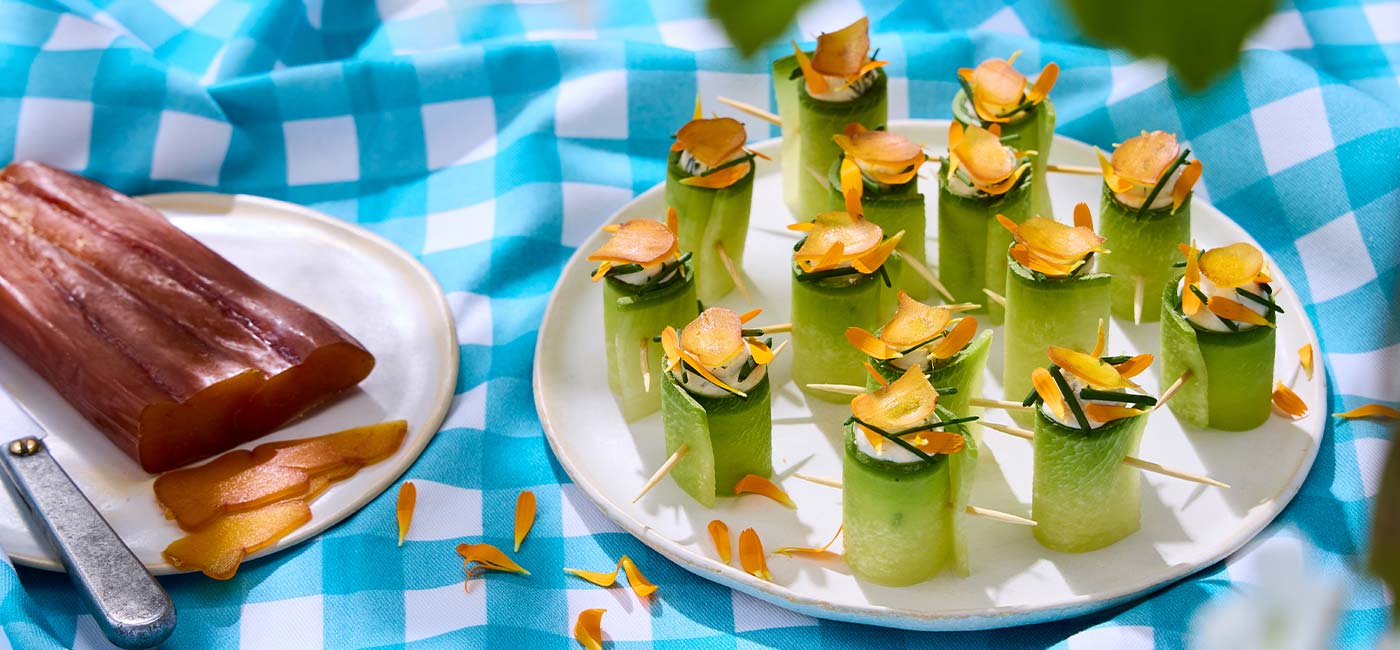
{"x": 132, "y": 609}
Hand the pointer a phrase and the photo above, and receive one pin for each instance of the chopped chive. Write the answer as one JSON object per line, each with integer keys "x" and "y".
{"x": 1179, "y": 265}
{"x": 1010, "y": 136}
{"x": 967, "y": 91}
{"x": 1116, "y": 359}
{"x": 733, "y": 163}
{"x": 796, "y": 72}
{"x": 1200, "y": 294}
{"x": 813, "y": 276}
{"x": 1111, "y": 396}
{"x": 624, "y": 269}
{"x": 897, "y": 440}
{"x": 1273, "y": 306}
{"x": 1073, "y": 403}
{"x": 950, "y": 390}
{"x": 798, "y": 246}
{"x": 919, "y": 345}
{"x": 1162, "y": 182}
{"x": 749, "y": 366}
{"x": 751, "y": 332}
{"x": 656, "y": 339}
{"x": 699, "y": 306}
{"x": 1230, "y": 324}
{"x": 884, "y": 275}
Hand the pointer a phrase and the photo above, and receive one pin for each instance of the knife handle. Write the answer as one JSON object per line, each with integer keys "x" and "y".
{"x": 132, "y": 609}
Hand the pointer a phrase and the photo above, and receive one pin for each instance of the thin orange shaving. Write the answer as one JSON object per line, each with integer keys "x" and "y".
{"x": 751, "y": 555}
{"x": 1370, "y": 411}
{"x": 403, "y": 510}
{"x": 1231, "y": 310}
{"x": 639, "y": 583}
{"x": 713, "y": 141}
{"x": 673, "y": 221}
{"x": 750, "y": 314}
{"x": 957, "y": 338}
{"x": 670, "y": 343}
{"x": 1190, "y": 302}
{"x": 913, "y": 323}
{"x": 1044, "y": 83}
{"x": 1232, "y": 266}
{"x": 1143, "y": 158}
{"x": 872, "y": 261}
{"x": 1134, "y": 366}
{"x": 524, "y": 516}
{"x": 1051, "y": 247}
{"x": 639, "y": 241}
{"x": 1185, "y": 182}
{"x": 879, "y": 379}
{"x": 754, "y": 484}
{"x": 820, "y": 552}
{"x": 1110, "y": 178}
{"x": 871, "y": 345}
{"x": 720, "y": 179}
{"x": 998, "y": 89}
{"x": 1110, "y": 412}
{"x": 884, "y": 156}
{"x": 1305, "y": 359}
{"x": 490, "y": 557}
{"x": 842, "y": 53}
{"x": 719, "y": 534}
{"x": 816, "y": 83}
{"x": 852, "y": 186}
{"x": 982, "y": 155}
{"x": 714, "y": 337}
{"x": 588, "y": 630}
{"x": 855, "y": 236}
{"x": 1049, "y": 392}
{"x": 1288, "y": 401}
{"x": 905, "y": 403}
{"x": 1090, "y": 370}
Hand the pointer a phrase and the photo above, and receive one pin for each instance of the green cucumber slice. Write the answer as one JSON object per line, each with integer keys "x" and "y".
{"x": 820, "y": 120}
{"x": 972, "y": 244}
{"x": 1143, "y": 247}
{"x": 1083, "y": 497}
{"x": 821, "y": 312}
{"x": 708, "y": 217}
{"x": 785, "y": 94}
{"x": 728, "y": 437}
{"x": 1240, "y": 401}
{"x": 629, "y": 319}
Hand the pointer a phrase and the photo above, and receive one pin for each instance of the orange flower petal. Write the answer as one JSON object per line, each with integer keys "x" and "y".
{"x": 750, "y": 314}
{"x": 1099, "y": 340}
{"x": 852, "y": 186}
{"x": 671, "y": 344}
{"x": 1232, "y": 266}
{"x": 596, "y": 577}
{"x": 842, "y": 53}
{"x": 1288, "y": 401}
{"x": 1110, "y": 178}
{"x": 715, "y": 337}
{"x": 1185, "y": 182}
{"x": 1231, "y": 310}
{"x": 872, "y": 261}
{"x": 761, "y": 353}
{"x": 1134, "y": 366}
{"x": 719, "y": 534}
{"x": 1057, "y": 243}
{"x": 1046, "y": 81}
{"x": 588, "y": 630}
{"x": 720, "y": 179}
{"x": 876, "y": 440}
{"x": 524, "y": 516}
{"x": 1190, "y": 302}
{"x": 906, "y": 402}
{"x": 673, "y": 221}
{"x": 996, "y": 88}
{"x": 879, "y": 379}
{"x": 1143, "y": 158}
{"x": 936, "y": 442}
{"x": 1090, "y": 370}
{"x": 639, "y": 241}
{"x": 1082, "y": 217}
{"x": 754, "y": 484}
{"x": 490, "y": 557}
{"x": 713, "y": 141}
{"x": 1049, "y": 392}
{"x": 869, "y": 344}
{"x": 957, "y": 338}
{"x": 913, "y": 323}
{"x": 822, "y": 552}
{"x": 1024, "y": 257}
{"x": 1305, "y": 359}
{"x": 751, "y": 555}
{"x": 816, "y": 83}
{"x": 638, "y": 582}
{"x": 1110, "y": 412}
{"x": 403, "y": 510}
{"x": 1370, "y": 411}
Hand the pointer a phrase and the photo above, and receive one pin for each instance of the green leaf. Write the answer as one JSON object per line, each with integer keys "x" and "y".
{"x": 1385, "y": 529}
{"x": 1199, "y": 39}
{"x": 752, "y": 24}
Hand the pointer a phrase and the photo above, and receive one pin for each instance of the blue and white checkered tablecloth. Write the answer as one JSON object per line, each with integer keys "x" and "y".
{"x": 490, "y": 137}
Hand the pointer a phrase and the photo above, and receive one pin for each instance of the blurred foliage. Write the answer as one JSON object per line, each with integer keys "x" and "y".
{"x": 751, "y": 24}
{"x": 1385, "y": 530}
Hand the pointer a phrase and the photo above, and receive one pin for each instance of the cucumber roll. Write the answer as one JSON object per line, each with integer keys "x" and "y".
{"x": 1052, "y": 295}
{"x": 906, "y": 479}
{"x": 951, "y": 353}
{"x": 840, "y": 85}
{"x": 1218, "y": 324}
{"x": 1146, "y": 212}
{"x": 647, "y": 285}
{"x": 1086, "y": 423}
{"x": 983, "y": 178}
{"x": 785, "y": 74}
{"x": 715, "y": 401}
{"x": 877, "y": 177}
{"x": 709, "y": 182}
{"x": 995, "y": 93}
{"x": 839, "y": 281}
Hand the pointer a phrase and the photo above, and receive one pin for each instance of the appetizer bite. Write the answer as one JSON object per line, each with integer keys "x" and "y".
{"x": 709, "y": 182}
{"x": 877, "y": 178}
{"x": 839, "y": 281}
{"x": 1053, "y": 297}
{"x": 1146, "y": 212}
{"x": 166, "y": 347}
{"x": 1218, "y": 325}
{"x": 906, "y": 479}
{"x": 951, "y": 353}
{"x": 715, "y": 402}
{"x": 840, "y": 84}
{"x": 648, "y": 284}
{"x": 995, "y": 93}
{"x": 982, "y": 178}
{"x": 1084, "y": 497}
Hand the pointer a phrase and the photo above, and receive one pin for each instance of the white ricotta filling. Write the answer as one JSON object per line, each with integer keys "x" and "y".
{"x": 1075, "y": 385}
{"x": 890, "y": 450}
{"x": 694, "y": 167}
{"x": 970, "y": 109}
{"x": 727, "y": 372}
{"x": 638, "y": 278}
{"x": 1136, "y": 195}
{"x": 1207, "y": 320}
{"x": 838, "y": 94}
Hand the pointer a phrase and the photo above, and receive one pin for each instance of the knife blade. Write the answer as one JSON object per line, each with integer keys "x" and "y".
{"x": 129, "y": 605}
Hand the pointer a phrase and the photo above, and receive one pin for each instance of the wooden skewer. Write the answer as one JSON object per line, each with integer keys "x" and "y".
{"x": 1130, "y": 460}
{"x": 976, "y": 511}
{"x": 778, "y": 350}
{"x": 999, "y": 404}
{"x": 928, "y": 277}
{"x": 958, "y": 307}
{"x": 662, "y": 471}
{"x": 646, "y": 366}
{"x": 1074, "y": 169}
{"x": 844, "y": 389}
{"x": 776, "y": 328}
{"x": 1137, "y": 299}
{"x": 1171, "y": 390}
{"x": 733, "y": 272}
{"x": 751, "y": 110}
{"x": 996, "y": 297}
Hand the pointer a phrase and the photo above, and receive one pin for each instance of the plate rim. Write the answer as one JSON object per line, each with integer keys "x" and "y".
{"x": 881, "y": 615}
{"x": 217, "y": 205}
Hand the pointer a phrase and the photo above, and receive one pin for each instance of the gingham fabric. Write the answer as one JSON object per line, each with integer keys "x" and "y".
{"x": 490, "y": 138}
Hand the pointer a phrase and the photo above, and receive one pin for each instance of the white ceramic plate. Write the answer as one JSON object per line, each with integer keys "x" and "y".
{"x": 1014, "y": 580}
{"x": 376, "y": 291}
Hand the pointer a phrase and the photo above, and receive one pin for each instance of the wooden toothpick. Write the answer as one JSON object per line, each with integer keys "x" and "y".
{"x": 844, "y": 389}
{"x": 733, "y": 272}
{"x": 999, "y": 404}
{"x": 776, "y": 328}
{"x": 1171, "y": 390}
{"x": 1137, "y": 299}
{"x": 976, "y": 511}
{"x": 928, "y": 277}
{"x": 751, "y": 110}
{"x": 662, "y": 471}
{"x": 646, "y": 366}
{"x": 1074, "y": 169}
{"x": 1129, "y": 460}
{"x": 996, "y": 297}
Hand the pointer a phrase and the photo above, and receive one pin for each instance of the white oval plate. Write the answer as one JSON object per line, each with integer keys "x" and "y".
{"x": 1014, "y": 580}
{"x": 373, "y": 289}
